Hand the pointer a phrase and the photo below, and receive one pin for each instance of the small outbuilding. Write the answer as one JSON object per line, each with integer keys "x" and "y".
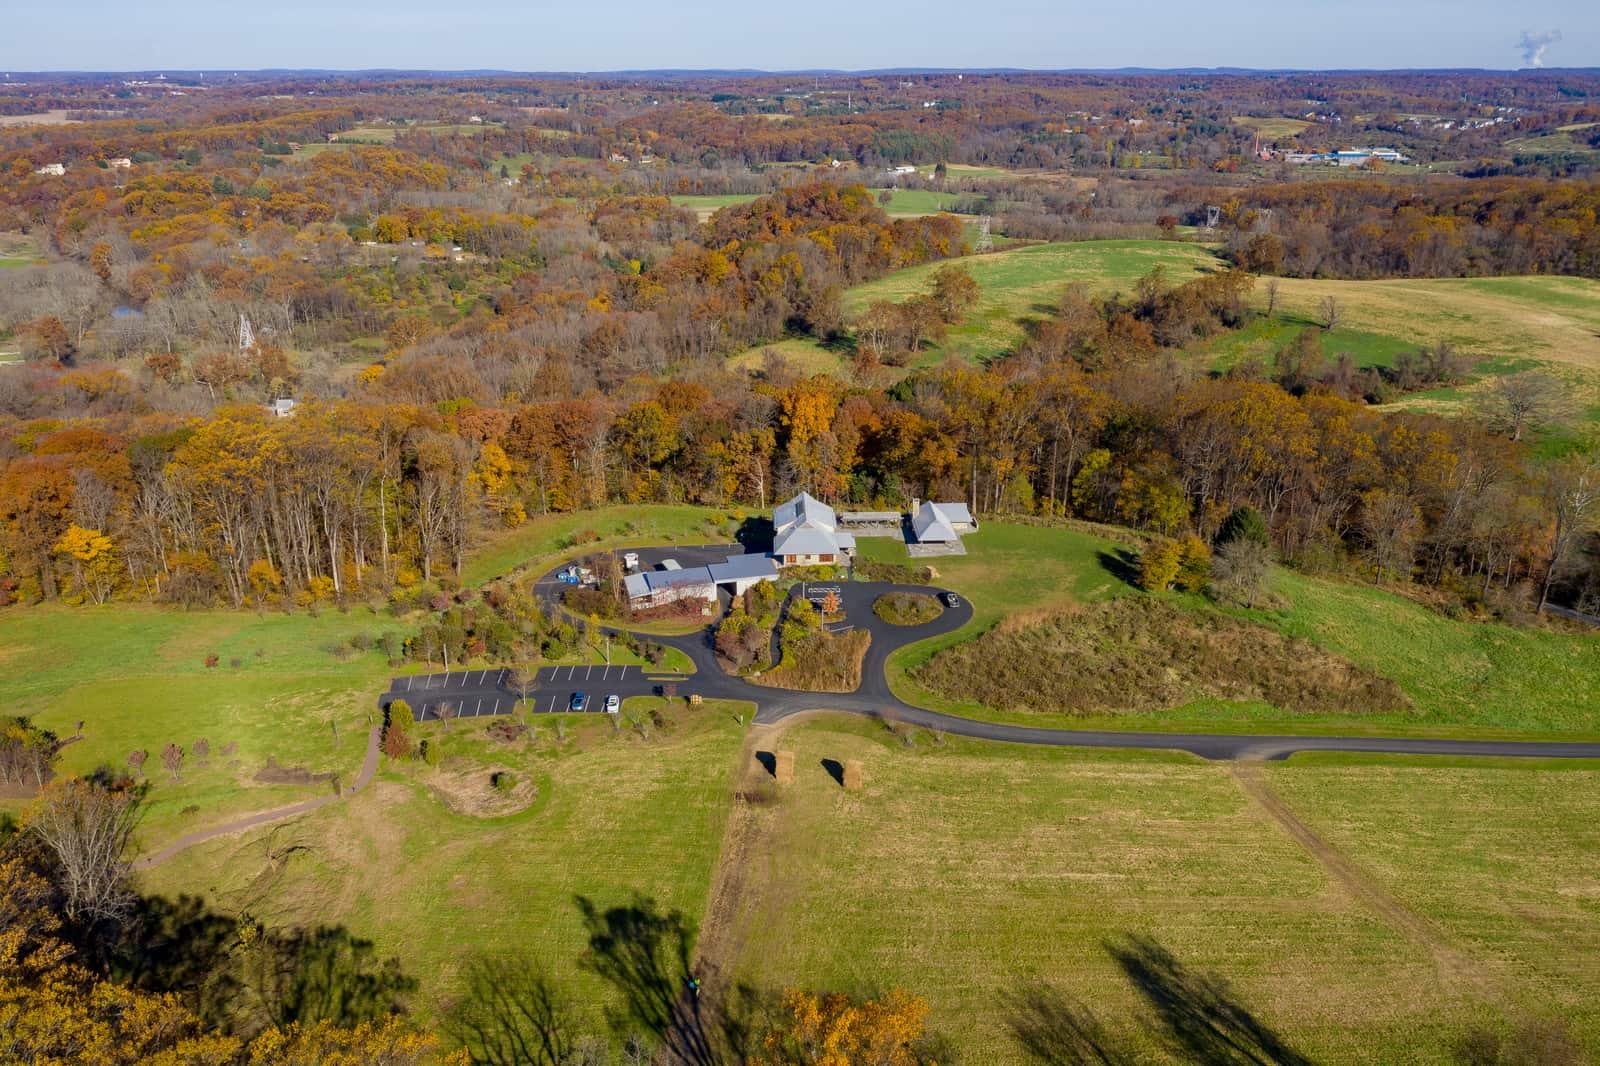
{"x": 942, "y": 523}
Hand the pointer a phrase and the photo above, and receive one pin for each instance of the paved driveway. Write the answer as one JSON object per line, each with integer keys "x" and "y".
{"x": 480, "y": 693}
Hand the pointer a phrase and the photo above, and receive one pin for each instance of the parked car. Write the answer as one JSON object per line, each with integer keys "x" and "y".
{"x": 579, "y": 702}
{"x": 613, "y": 704}
{"x": 950, "y": 599}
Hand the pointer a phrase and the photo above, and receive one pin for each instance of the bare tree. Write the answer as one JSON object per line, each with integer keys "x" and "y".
{"x": 172, "y": 759}
{"x": 1518, "y": 404}
{"x": 1239, "y": 569}
{"x": 1272, "y": 296}
{"x": 1572, "y": 493}
{"x": 1331, "y": 312}
{"x": 88, "y": 829}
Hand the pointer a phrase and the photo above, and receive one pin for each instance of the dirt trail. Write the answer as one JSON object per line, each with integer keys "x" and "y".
{"x": 369, "y": 766}
{"x": 717, "y": 947}
{"x": 1455, "y": 967}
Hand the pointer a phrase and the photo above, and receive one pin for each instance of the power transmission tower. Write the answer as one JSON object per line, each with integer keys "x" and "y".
{"x": 1213, "y": 216}
{"x": 247, "y": 336}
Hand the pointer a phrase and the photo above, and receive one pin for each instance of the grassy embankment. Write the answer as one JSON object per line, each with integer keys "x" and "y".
{"x": 1460, "y": 677}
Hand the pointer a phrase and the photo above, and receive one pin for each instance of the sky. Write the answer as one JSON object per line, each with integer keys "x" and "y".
{"x": 539, "y": 35}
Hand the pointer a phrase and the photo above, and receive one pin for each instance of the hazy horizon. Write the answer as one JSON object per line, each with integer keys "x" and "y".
{"x": 360, "y": 35}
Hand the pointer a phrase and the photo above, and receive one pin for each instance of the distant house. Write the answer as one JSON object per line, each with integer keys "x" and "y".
{"x": 805, "y": 532}
{"x": 54, "y": 170}
{"x": 119, "y": 164}
{"x": 903, "y": 170}
{"x": 281, "y": 408}
{"x": 942, "y": 523}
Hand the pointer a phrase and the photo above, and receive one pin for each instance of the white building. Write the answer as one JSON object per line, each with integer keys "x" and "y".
{"x": 55, "y": 170}
{"x": 805, "y": 532}
{"x": 655, "y": 588}
{"x": 122, "y": 163}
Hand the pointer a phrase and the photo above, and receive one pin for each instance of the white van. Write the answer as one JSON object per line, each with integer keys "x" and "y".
{"x": 630, "y": 560}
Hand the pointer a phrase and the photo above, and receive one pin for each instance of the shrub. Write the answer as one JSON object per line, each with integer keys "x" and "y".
{"x": 397, "y": 723}
{"x": 906, "y": 608}
{"x": 1244, "y": 523}
{"x": 503, "y": 780}
{"x": 1194, "y": 563}
{"x": 432, "y": 751}
{"x": 1159, "y": 564}
{"x": 212, "y": 660}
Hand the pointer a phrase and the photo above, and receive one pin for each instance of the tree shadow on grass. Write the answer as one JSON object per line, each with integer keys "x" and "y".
{"x": 644, "y": 954}
{"x": 1050, "y": 1027}
{"x": 1198, "y": 1015}
{"x": 1122, "y": 564}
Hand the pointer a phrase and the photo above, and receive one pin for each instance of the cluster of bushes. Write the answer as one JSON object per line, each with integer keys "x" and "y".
{"x": 1232, "y": 568}
{"x": 505, "y": 624}
{"x": 744, "y": 637}
{"x": 906, "y": 608}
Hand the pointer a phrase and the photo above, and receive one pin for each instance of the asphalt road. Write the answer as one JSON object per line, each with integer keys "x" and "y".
{"x": 480, "y": 693}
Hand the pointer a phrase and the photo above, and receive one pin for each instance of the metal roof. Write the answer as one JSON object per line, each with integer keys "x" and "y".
{"x": 743, "y": 567}
{"x": 934, "y": 524}
{"x": 804, "y": 510}
{"x": 806, "y": 540}
{"x": 638, "y": 586}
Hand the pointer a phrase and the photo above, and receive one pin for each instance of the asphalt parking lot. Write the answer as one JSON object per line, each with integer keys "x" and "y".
{"x": 484, "y": 693}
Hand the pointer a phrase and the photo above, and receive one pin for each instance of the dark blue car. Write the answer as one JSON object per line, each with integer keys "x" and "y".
{"x": 579, "y": 702}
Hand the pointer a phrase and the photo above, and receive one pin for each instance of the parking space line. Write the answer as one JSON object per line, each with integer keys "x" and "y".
{"x": 552, "y": 708}
{"x": 477, "y": 708}
{"x": 587, "y": 670}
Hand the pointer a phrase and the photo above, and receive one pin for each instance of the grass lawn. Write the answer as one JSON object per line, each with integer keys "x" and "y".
{"x": 17, "y": 250}
{"x": 136, "y": 677}
{"x": 550, "y": 535}
{"x": 407, "y": 862}
{"x": 1547, "y": 318}
{"x": 914, "y": 203}
{"x": 1025, "y": 282}
{"x": 706, "y": 206}
{"x": 963, "y": 870}
{"x": 1462, "y": 677}
{"x": 1272, "y": 125}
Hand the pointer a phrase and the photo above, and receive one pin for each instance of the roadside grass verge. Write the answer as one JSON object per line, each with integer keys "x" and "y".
{"x": 966, "y": 871}
{"x": 614, "y": 815}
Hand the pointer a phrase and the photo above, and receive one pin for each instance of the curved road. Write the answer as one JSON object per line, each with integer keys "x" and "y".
{"x": 475, "y": 693}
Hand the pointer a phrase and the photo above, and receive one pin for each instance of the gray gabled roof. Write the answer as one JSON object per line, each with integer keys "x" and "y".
{"x": 744, "y": 567}
{"x": 638, "y": 586}
{"x": 804, "y": 510}
{"x": 933, "y": 524}
{"x": 806, "y": 540}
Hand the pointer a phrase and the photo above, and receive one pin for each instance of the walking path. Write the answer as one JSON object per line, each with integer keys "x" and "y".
{"x": 369, "y": 766}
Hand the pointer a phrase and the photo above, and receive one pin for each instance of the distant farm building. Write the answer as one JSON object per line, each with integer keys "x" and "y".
{"x": 54, "y": 170}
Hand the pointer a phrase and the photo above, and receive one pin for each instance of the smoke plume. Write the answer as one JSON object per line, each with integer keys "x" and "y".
{"x": 1534, "y": 46}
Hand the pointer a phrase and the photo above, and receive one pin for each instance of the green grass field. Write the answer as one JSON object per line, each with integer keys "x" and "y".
{"x": 966, "y": 872}
{"x": 136, "y": 676}
{"x": 1272, "y": 125}
{"x": 414, "y": 865}
{"x": 17, "y": 250}
{"x": 1462, "y": 677}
